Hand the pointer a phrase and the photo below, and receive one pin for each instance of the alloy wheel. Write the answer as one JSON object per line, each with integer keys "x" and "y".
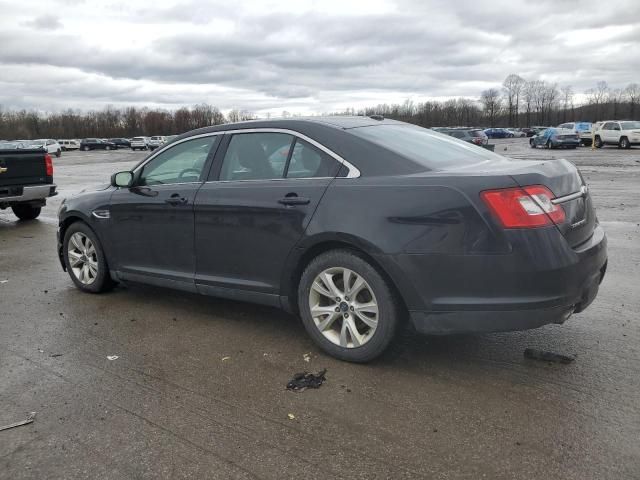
{"x": 343, "y": 307}
{"x": 83, "y": 258}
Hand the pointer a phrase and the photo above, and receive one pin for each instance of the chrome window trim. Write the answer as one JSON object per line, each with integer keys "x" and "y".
{"x": 353, "y": 170}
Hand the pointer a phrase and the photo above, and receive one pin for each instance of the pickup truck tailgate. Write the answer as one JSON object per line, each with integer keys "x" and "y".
{"x": 24, "y": 167}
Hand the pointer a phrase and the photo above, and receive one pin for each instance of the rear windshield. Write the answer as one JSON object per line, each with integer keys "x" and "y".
{"x": 425, "y": 147}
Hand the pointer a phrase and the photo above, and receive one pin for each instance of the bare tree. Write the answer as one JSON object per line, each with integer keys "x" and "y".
{"x": 492, "y": 103}
{"x": 566, "y": 93}
{"x": 513, "y": 86}
{"x": 632, "y": 94}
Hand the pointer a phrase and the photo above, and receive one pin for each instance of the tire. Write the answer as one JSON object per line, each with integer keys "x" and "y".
{"x": 532, "y": 144}
{"x": 598, "y": 141}
{"x": 26, "y": 212}
{"x": 85, "y": 148}
{"x": 107, "y": 147}
{"x": 624, "y": 143}
{"x": 97, "y": 282}
{"x": 58, "y": 153}
{"x": 368, "y": 342}
{"x": 548, "y": 145}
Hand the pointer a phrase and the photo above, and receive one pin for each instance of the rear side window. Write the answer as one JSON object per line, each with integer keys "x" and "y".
{"x": 308, "y": 161}
{"x": 256, "y": 156}
{"x": 425, "y": 147}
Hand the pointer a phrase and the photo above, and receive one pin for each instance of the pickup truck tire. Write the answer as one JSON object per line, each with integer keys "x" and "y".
{"x": 26, "y": 212}
{"x": 95, "y": 278}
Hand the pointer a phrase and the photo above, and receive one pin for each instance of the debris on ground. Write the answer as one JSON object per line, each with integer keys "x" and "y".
{"x": 54, "y": 355}
{"x": 291, "y": 416}
{"x": 306, "y": 357}
{"x": 30, "y": 418}
{"x": 4, "y": 281}
{"x": 224, "y": 359}
{"x": 545, "y": 356}
{"x": 112, "y": 357}
{"x": 301, "y": 381}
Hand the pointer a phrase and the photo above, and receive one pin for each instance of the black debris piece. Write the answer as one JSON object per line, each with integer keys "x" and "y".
{"x": 545, "y": 356}
{"x": 302, "y": 381}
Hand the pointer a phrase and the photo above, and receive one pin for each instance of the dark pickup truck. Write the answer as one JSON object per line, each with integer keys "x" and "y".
{"x": 26, "y": 180}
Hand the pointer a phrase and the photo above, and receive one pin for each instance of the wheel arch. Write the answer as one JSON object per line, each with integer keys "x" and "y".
{"x": 305, "y": 254}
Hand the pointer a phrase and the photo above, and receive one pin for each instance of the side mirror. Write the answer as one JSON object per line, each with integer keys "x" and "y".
{"x": 122, "y": 179}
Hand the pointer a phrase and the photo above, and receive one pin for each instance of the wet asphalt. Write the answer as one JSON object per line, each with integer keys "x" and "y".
{"x": 198, "y": 388}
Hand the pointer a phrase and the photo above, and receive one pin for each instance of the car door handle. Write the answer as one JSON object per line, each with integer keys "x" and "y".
{"x": 293, "y": 199}
{"x": 176, "y": 199}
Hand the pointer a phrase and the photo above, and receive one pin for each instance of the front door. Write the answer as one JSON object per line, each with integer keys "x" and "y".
{"x": 257, "y": 209}
{"x": 153, "y": 221}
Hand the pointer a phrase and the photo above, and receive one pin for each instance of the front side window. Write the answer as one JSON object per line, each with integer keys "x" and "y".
{"x": 308, "y": 161}
{"x": 256, "y": 156}
{"x": 182, "y": 163}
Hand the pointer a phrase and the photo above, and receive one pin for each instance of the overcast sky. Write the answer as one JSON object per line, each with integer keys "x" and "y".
{"x": 304, "y": 56}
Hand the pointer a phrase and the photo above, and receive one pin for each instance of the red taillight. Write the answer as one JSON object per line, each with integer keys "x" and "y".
{"x": 525, "y": 207}
{"x": 48, "y": 163}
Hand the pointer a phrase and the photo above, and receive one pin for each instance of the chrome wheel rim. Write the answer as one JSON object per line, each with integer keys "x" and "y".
{"x": 344, "y": 307}
{"x": 83, "y": 258}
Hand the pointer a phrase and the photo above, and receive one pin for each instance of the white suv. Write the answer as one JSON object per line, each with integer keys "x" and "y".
{"x": 156, "y": 142}
{"x": 620, "y": 133}
{"x": 140, "y": 143}
{"x": 47, "y": 144}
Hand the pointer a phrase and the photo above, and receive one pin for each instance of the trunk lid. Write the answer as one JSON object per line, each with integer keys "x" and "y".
{"x": 22, "y": 167}
{"x": 570, "y": 191}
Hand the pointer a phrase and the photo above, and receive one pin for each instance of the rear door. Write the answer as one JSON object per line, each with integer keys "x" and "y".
{"x": 256, "y": 208}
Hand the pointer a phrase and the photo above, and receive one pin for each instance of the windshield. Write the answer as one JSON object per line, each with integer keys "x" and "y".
{"x": 630, "y": 125}
{"x": 425, "y": 147}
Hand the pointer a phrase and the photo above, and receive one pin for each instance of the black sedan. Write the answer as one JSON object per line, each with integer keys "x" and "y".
{"x": 360, "y": 226}
{"x": 96, "y": 144}
{"x": 120, "y": 142}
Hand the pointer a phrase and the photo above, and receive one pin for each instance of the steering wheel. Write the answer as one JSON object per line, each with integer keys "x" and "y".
{"x": 186, "y": 170}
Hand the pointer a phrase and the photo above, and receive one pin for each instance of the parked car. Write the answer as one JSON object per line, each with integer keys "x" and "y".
{"x": 120, "y": 142}
{"x": 498, "y": 133}
{"x": 583, "y": 129}
{"x": 621, "y": 133}
{"x": 475, "y": 136}
{"x": 69, "y": 145}
{"x": 26, "y": 179}
{"x": 139, "y": 143}
{"x": 555, "y": 138}
{"x": 449, "y": 237}
{"x": 47, "y": 144}
{"x": 515, "y": 132}
{"x": 156, "y": 141}
{"x": 96, "y": 144}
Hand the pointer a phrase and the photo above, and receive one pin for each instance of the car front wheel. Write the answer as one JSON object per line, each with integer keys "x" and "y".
{"x": 624, "y": 143}
{"x": 347, "y": 307}
{"x": 85, "y": 260}
{"x": 599, "y": 143}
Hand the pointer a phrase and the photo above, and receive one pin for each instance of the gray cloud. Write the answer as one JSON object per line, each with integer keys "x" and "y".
{"x": 247, "y": 56}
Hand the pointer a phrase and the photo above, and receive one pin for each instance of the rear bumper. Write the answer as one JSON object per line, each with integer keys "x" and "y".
{"x": 448, "y": 294}
{"x": 30, "y": 193}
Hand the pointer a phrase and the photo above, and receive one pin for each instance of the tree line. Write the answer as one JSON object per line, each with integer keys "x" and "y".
{"x": 516, "y": 103}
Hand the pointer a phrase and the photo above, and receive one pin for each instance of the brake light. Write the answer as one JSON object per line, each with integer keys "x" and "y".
{"x": 48, "y": 164}
{"x": 526, "y": 207}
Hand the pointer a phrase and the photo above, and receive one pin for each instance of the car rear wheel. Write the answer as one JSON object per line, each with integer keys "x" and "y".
{"x": 58, "y": 153}
{"x": 26, "y": 212}
{"x": 532, "y": 144}
{"x": 347, "y": 307}
{"x": 548, "y": 144}
{"x": 624, "y": 143}
{"x": 85, "y": 260}
{"x": 599, "y": 143}
{"x": 107, "y": 147}
{"x": 85, "y": 148}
